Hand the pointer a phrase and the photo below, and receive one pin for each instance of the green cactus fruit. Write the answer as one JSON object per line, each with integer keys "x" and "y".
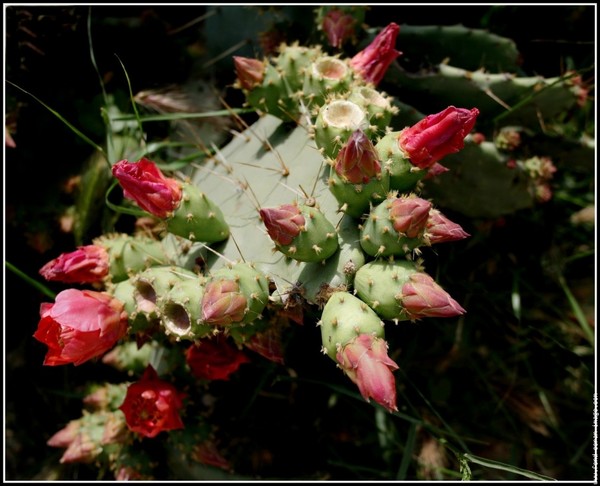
{"x": 345, "y": 317}
{"x": 139, "y": 321}
{"x": 234, "y": 295}
{"x": 180, "y": 310}
{"x": 197, "y": 218}
{"x": 324, "y": 76}
{"x": 404, "y": 176}
{"x": 401, "y": 290}
{"x": 130, "y": 254}
{"x": 396, "y": 226}
{"x": 377, "y": 104}
{"x": 300, "y": 231}
{"x": 153, "y": 283}
{"x": 379, "y": 284}
{"x": 357, "y": 177}
{"x": 293, "y": 60}
{"x": 336, "y": 121}
{"x": 274, "y": 96}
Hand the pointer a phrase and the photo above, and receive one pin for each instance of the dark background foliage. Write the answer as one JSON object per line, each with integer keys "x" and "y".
{"x": 48, "y": 55}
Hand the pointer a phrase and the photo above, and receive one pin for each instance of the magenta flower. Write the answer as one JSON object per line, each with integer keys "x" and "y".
{"x": 365, "y": 361}
{"x": 373, "y": 61}
{"x": 87, "y": 264}
{"x": 152, "y": 405}
{"x": 441, "y": 229}
{"x": 357, "y": 161}
{"x": 437, "y": 135}
{"x": 409, "y": 215}
{"x": 144, "y": 183}
{"x": 250, "y": 72}
{"x": 422, "y": 297}
{"x": 283, "y": 223}
{"x": 338, "y": 27}
{"x": 80, "y": 325}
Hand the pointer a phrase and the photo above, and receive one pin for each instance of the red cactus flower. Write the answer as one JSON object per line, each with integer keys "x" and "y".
{"x": 338, "y": 27}
{"x": 440, "y": 229}
{"x": 365, "y": 361}
{"x": 373, "y": 61}
{"x": 223, "y": 303}
{"x": 409, "y": 215}
{"x": 144, "y": 183}
{"x": 80, "y": 325}
{"x": 357, "y": 161}
{"x": 214, "y": 359}
{"x": 283, "y": 223}
{"x": 152, "y": 405}
{"x": 437, "y": 135}
{"x": 423, "y": 297}
{"x": 250, "y": 72}
{"x": 87, "y": 264}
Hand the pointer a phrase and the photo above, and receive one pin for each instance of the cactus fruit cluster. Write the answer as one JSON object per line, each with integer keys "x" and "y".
{"x": 318, "y": 203}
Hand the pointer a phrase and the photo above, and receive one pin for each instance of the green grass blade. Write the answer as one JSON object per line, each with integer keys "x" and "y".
{"x": 411, "y": 438}
{"x": 585, "y": 326}
{"x": 133, "y": 103}
{"x": 184, "y": 116}
{"x": 75, "y": 130}
{"x": 34, "y": 283}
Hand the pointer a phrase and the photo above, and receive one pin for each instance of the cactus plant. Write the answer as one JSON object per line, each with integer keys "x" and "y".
{"x": 326, "y": 199}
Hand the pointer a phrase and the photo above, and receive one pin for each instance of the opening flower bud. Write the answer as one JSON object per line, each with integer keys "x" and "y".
{"x": 437, "y": 135}
{"x": 358, "y": 161}
{"x": 283, "y": 223}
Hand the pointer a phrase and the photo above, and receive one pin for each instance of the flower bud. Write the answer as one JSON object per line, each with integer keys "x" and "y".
{"x": 409, "y": 215}
{"x": 423, "y": 297}
{"x": 358, "y": 161}
{"x": 250, "y": 72}
{"x": 283, "y": 223}
{"x": 338, "y": 27}
{"x": 144, "y": 183}
{"x": 440, "y": 229}
{"x": 373, "y": 61}
{"x": 365, "y": 361}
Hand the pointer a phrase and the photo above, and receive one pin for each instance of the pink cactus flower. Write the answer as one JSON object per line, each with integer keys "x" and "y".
{"x": 283, "y": 223}
{"x": 365, "y": 361}
{"x": 80, "y": 325}
{"x": 338, "y": 27}
{"x": 423, "y": 297}
{"x": 223, "y": 303}
{"x": 373, "y": 62}
{"x": 440, "y": 229}
{"x": 250, "y": 72}
{"x": 152, "y": 405}
{"x": 87, "y": 264}
{"x": 437, "y": 135}
{"x": 409, "y": 215}
{"x": 357, "y": 161}
{"x": 214, "y": 359}
{"x": 144, "y": 183}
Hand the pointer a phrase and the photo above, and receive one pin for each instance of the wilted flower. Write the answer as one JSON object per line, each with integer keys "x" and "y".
{"x": 152, "y": 405}
{"x": 144, "y": 183}
{"x": 357, "y": 161}
{"x": 365, "y": 361}
{"x": 423, "y": 297}
{"x": 437, "y": 135}
{"x": 87, "y": 264}
{"x": 283, "y": 223}
{"x": 214, "y": 359}
{"x": 80, "y": 325}
{"x": 373, "y": 61}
